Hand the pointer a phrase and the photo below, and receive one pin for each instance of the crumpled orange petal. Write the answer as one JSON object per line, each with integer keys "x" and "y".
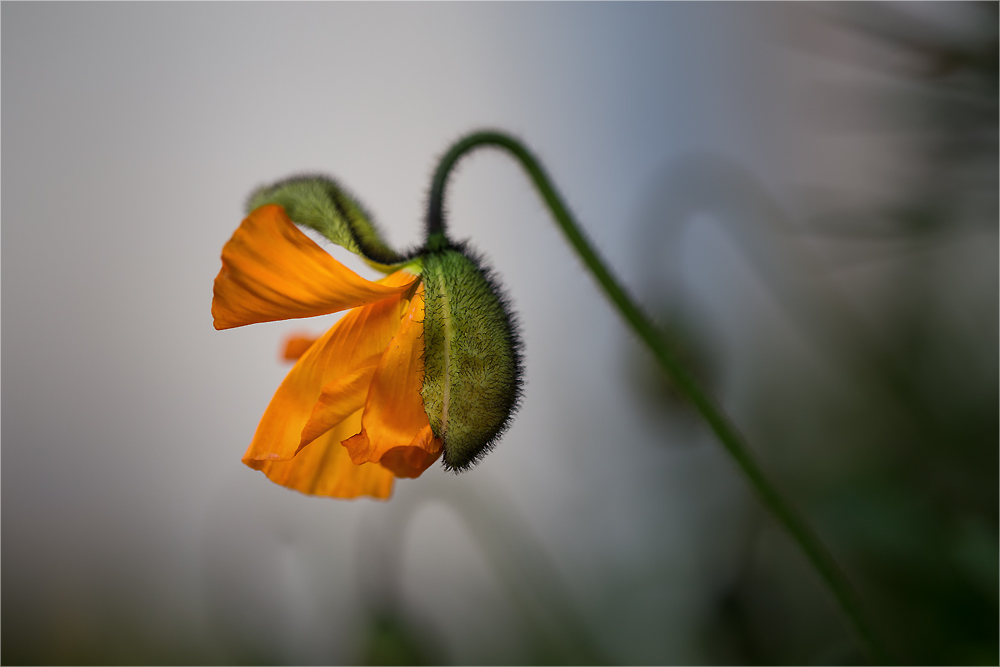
{"x": 356, "y": 341}
{"x": 324, "y": 468}
{"x": 272, "y": 271}
{"x": 394, "y": 414}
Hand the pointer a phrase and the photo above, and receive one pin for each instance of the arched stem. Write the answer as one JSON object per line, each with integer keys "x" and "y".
{"x": 725, "y": 431}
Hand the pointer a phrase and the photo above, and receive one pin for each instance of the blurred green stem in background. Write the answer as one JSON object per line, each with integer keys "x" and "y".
{"x": 547, "y": 609}
{"x": 730, "y": 438}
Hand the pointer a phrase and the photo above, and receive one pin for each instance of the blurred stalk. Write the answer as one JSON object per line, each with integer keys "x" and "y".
{"x": 731, "y": 195}
{"x": 734, "y": 443}
{"x": 557, "y": 632}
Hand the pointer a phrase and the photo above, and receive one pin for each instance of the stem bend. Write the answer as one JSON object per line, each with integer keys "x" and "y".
{"x": 734, "y": 443}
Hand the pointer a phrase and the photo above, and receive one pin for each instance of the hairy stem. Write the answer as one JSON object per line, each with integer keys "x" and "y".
{"x": 731, "y": 439}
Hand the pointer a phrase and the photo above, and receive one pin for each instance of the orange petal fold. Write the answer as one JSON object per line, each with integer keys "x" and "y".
{"x": 413, "y": 460}
{"x": 356, "y": 341}
{"x": 339, "y": 399}
{"x": 394, "y": 410}
{"x": 323, "y": 468}
{"x": 272, "y": 271}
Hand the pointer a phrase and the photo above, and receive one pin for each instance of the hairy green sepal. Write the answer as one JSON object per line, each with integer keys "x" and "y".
{"x": 472, "y": 365}
{"x": 320, "y": 203}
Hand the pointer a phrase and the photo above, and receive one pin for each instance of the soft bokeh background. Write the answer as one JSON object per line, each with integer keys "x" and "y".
{"x": 804, "y": 196}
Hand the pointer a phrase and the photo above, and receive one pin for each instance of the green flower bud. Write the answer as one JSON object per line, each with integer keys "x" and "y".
{"x": 472, "y": 356}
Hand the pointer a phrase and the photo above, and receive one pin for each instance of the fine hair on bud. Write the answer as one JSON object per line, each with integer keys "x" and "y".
{"x": 473, "y": 372}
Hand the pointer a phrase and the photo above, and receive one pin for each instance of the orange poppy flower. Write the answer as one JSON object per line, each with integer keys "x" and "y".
{"x": 358, "y": 385}
{"x": 425, "y": 362}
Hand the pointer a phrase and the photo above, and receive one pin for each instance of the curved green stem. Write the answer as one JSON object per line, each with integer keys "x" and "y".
{"x": 782, "y": 510}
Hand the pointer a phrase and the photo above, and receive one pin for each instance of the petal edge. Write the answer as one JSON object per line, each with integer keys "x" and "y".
{"x": 272, "y": 271}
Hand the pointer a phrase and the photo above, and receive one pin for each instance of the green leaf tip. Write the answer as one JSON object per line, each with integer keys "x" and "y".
{"x": 472, "y": 356}
{"x": 322, "y": 204}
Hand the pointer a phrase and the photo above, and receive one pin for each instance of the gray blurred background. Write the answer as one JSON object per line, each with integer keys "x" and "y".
{"x": 805, "y": 197}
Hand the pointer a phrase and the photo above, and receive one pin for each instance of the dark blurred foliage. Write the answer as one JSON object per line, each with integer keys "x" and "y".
{"x": 393, "y": 640}
{"x": 895, "y": 459}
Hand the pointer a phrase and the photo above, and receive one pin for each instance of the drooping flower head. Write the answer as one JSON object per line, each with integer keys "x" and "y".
{"x": 424, "y": 365}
